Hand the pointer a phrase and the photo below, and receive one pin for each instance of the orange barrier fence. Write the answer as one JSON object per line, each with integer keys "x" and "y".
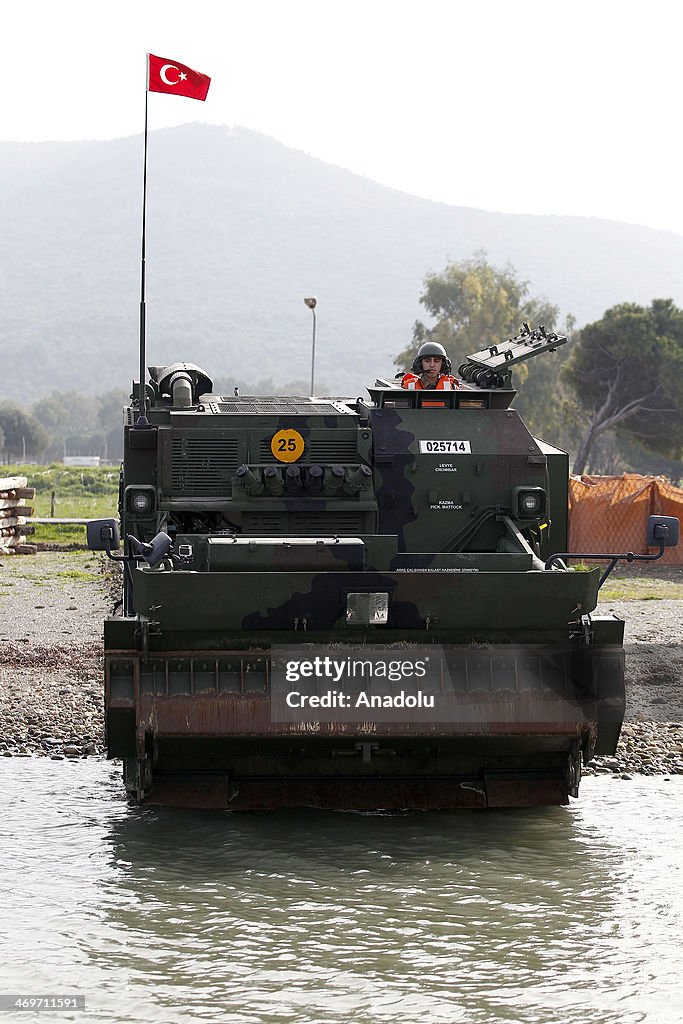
{"x": 609, "y": 513}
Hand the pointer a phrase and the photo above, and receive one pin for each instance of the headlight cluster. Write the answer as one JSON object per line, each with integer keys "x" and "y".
{"x": 529, "y": 502}
{"x": 140, "y": 501}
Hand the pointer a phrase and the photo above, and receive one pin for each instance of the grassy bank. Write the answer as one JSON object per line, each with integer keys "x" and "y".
{"x": 660, "y": 585}
{"x": 79, "y": 493}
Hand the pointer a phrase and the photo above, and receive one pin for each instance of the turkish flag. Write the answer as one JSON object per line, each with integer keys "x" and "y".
{"x": 165, "y": 75}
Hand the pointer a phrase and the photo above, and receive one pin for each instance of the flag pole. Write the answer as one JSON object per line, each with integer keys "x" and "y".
{"x": 184, "y": 82}
{"x": 142, "y": 420}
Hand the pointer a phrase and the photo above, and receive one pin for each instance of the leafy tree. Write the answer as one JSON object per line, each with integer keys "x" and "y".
{"x": 627, "y": 373}
{"x": 110, "y": 421}
{"x": 114, "y": 444}
{"x": 85, "y": 444}
{"x": 23, "y": 435}
{"x": 109, "y": 408}
{"x": 475, "y": 305}
{"x": 79, "y": 424}
{"x": 545, "y": 402}
{"x": 65, "y": 412}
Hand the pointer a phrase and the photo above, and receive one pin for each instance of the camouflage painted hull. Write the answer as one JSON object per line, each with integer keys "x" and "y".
{"x": 412, "y": 527}
{"x": 191, "y": 711}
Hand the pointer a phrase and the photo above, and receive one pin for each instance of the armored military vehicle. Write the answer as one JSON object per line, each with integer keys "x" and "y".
{"x": 353, "y": 603}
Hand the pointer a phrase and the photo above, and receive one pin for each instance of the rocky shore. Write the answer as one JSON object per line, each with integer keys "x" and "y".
{"x": 51, "y": 609}
{"x": 645, "y": 748}
{"x": 51, "y": 705}
{"x": 51, "y": 702}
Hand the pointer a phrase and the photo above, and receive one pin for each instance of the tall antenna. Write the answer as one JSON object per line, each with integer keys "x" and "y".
{"x": 142, "y": 420}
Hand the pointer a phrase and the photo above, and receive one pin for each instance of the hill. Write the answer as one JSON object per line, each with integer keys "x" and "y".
{"x": 239, "y": 229}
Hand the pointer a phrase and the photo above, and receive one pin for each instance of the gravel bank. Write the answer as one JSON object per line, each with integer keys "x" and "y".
{"x": 651, "y": 741}
{"x": 51, "y": 611}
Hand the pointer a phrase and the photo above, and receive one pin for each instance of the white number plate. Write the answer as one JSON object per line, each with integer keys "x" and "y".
{"x": 441, "y": 447}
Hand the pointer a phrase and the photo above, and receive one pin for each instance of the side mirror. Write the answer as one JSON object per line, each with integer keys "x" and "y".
{"x": 153, "y": 552}
{"x": 663, "y": 530}
{"x": 103, "y": 535}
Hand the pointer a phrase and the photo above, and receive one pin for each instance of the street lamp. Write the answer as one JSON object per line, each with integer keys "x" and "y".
{"x": 312, "y": 302}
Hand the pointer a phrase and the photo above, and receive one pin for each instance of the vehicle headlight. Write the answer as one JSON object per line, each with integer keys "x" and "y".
{"x": 140, "y": 500}
{"x": 528, "y": 502}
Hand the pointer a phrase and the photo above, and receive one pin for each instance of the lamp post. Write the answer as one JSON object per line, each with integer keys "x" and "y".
{"x": 312, "y": 302}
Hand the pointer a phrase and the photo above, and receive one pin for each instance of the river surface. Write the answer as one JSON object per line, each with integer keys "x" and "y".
{"x": 570, "y": 914}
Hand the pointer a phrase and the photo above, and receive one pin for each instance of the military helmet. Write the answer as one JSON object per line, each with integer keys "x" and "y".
{"x": 431, "y": 348}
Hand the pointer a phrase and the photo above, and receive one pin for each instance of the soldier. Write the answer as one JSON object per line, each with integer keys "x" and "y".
{"x": 431, "y": 370}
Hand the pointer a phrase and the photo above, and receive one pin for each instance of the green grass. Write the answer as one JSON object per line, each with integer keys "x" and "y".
{"x": 67, "y": 481}
{"x": 640, "y": 589}
{"x": 634, "y": 588}
{"x": 78, "y": 574}
{"x": 53, "y": 569}
{"x": 79, "y": 494}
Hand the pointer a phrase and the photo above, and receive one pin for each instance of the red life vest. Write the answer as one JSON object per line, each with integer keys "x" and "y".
{"x": 413, "y": 382}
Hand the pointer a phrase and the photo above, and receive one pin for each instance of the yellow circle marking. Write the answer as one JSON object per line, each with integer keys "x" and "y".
{"x": 287, "y": 445}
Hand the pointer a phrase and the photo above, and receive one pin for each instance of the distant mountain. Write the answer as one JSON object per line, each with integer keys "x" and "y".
{"x": 239, "y": 229}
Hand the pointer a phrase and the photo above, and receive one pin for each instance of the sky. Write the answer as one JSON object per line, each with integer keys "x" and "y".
{"x": 520, "y": 107}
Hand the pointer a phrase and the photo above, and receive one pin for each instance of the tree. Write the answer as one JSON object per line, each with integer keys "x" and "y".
{"x": 79, "y": 424}
{"x": 627, "y": 372}
{"x": 65, "y": 412}
{"x": 23, "y": 435}
{"x": 475, "y": 305}
{"x": 545, "y": 402}
{"x": 110, "y": 408}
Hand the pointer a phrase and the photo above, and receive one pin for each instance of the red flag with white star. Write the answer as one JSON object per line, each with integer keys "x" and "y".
{"x": 164, "y": 75}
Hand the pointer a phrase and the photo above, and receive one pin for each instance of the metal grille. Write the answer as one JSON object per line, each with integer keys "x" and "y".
{"x": 328, "y": 523}
{"x": 265, "y": 523}
{"x": 325, "y": 450}
{"x": 330, "y": 450}
{"x": 276, "y": 407}
{"x": 203, "y": 466}
{"x": 302, "y": 524}
{"x": 536, "y": 671}
{"x": 184, "y": 675}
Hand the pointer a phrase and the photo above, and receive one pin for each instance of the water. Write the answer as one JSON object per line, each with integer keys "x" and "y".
{"x": 552, "y": 915}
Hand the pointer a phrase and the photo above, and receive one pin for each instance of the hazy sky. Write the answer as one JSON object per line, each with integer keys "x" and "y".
{"x": 515, "y": 105}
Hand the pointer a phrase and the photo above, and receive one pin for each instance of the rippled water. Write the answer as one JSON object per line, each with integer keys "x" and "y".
{"x": 562, "y": 914}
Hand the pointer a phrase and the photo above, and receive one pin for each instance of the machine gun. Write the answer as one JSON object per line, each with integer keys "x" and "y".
{"x": 491, "y": 367}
